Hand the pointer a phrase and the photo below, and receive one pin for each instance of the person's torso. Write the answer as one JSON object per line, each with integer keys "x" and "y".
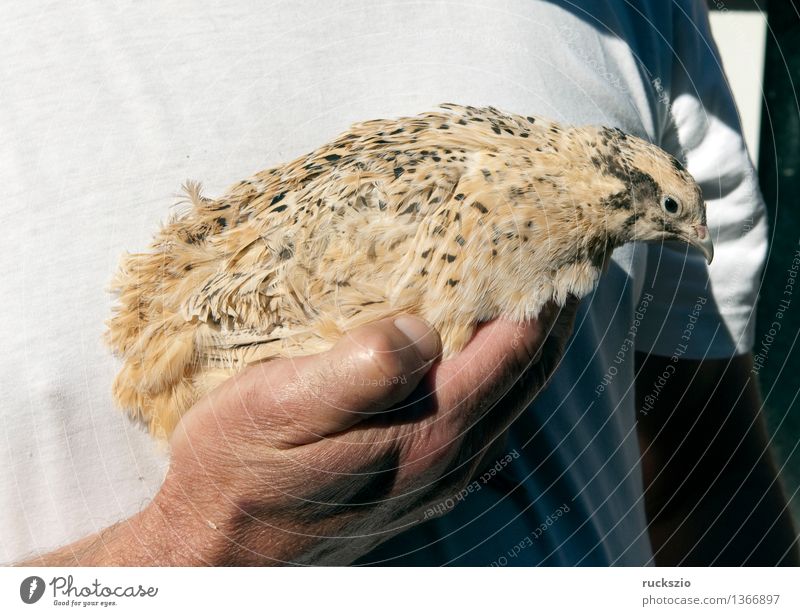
{"x": 108, "y": 111}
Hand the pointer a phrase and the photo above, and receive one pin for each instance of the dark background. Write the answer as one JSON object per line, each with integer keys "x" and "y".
{"x": 779, "y": 175}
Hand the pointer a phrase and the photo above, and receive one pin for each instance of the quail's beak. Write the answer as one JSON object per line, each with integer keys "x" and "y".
{"x": 702, "y": 240}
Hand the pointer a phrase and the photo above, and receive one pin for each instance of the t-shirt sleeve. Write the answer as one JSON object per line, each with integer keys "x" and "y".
{"x": 701, "y": 311}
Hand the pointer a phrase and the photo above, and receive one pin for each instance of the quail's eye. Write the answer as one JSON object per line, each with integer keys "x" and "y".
{"x": 671, "y": 205}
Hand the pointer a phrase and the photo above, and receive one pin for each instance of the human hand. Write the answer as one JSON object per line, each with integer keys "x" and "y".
{"x": 319, "y": 459}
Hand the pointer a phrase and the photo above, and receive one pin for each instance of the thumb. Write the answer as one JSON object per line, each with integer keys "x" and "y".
{"x": 368, "y": 371}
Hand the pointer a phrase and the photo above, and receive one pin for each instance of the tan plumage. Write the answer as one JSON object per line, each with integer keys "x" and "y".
{"x": 459, "y": 216}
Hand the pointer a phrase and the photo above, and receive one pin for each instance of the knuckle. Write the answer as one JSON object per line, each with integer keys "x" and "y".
{"x": 240, "y": 392}
{"x": 380, "y": 355}
{"x": 375, "y": 339}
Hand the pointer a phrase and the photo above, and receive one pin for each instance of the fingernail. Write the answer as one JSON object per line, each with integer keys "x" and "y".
{"x": 423, "y": 335}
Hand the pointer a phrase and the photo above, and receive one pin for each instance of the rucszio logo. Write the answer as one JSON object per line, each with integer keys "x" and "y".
{"x": 31, "y": 589}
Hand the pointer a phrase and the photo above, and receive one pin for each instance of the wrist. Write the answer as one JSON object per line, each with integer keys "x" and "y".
{"x": 178, "y": 529}
{"x": 204, "y": 526}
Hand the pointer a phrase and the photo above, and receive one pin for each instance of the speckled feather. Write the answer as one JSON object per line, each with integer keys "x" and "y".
{"x": 459, "y": 216}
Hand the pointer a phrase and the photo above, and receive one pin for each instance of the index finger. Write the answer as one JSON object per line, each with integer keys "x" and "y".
{"x": 495, "y": 360}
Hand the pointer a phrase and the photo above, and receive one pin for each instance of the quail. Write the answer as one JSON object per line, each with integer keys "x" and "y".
{"x": 459, "y": 216}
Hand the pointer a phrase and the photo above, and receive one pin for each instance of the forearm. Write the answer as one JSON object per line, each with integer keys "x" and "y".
{"x": 148, "y": 538}
{"x": 711, "y": 487}
{"x": 183, "y": 529}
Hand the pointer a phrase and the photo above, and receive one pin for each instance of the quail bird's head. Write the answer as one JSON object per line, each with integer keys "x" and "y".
{"x": 660, "y": 200}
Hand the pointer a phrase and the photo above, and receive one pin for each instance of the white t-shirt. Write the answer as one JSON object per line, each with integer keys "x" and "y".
{"x": 107, "y": 108}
